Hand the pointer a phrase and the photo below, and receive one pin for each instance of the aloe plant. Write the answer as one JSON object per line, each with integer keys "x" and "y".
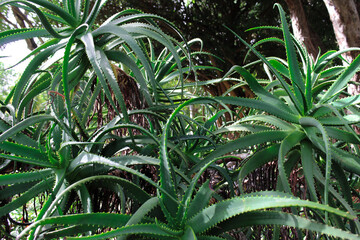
{"x": 86, "y": 66}
{"x": 303, "y": 118}
{"x": 71, "y": 148}
{"x": 176, "y": 212}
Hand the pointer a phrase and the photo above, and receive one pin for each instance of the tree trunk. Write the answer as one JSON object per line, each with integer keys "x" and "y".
{"x": 21, "y": 18}
{"x": 301, "y": 28}
{"x": 346, "y": 23}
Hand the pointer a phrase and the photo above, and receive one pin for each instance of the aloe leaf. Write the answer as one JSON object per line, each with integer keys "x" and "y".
{"x": 331, "y": 72}
{"x": 156, "y": 34}
{"x": 318, "y": 175}
{"x": 135, "y": 160}
{"x": 328, "y": 57}
{"x": 207, "y": 237}
{"x": 152, "y": 230}
{"x": 307, "y": 121}
{"x": 307, "y": 161}
{"x": 274, "y": 121}
{"x": 201, "y": 199}
{"x": 262, "y": 41}
{"x": 109, "y": 127}
{"x": 85, "y": 199}
{"x": 346, "y": 160}
{"x": 24, "y": 177}
{"x": 216, "y": 213}
{"x": 286, "y": 87}
{"x": 342, "y": 81}
{"x": 294, "y": 69}
{"x": 346, "y": 102}
{"x": 31, "y": 161}
{"x": 94, "y": 219}
{"x": 139, "y": 195}
{"x": 260, "y": 105}
{"x": 43, "y": 20}
{"x": 23, "y": 125}
{"x": 257, "y": 88}
{"x": 280, "y": 67}
{"x": 286, "y": 145}
{"x": 20, "y": 138}
{"x": 59, "y": 183}
{"x": 349, "y": 119}
{"x": 20, "y": 34}
{"x": 33, "y": 92}
{"x": 187, "y": 204}
{"x": 94, "y": 12}
{"x": 28, "y": 195}
{"x": 141, "y": 212}
{"x": 110, "y": 76}
{"x": 30, "y": 70}
{"x": 91, "y": 52}
{"x": 282, "y": 219}
{"x": 343, "y": 183}
{"x": 342, "y": 135}
{"x": 24, "y": 151}
{"x": 65, "y": 74}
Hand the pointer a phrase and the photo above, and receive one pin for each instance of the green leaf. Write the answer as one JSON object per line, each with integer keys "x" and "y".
{"x": 294, "y": 69}
{"x": 31, "y": 68}
{"x": 95, "y": 219}
{"x": 291, "y": 140}
{"x": 307, "y": 121}
{"x": 342, "y": 81}
{"x": 258, "y": 89}
{"x": 152, "y": 230}
{"x": 260, "y": 105}
{"x": 282, "y": 219}
{"x": 143, "y": 210}
{"x": 24, "y": 177}
{"x": 20, "y": 34}
{"x": 299, "y": 105}
{"x": 28, "y": 195}
{"x": 23, "y": 125}
{"x": 201, "y": 199}
{"x": 216, "y": 213}
{"x": 308, "y": 162}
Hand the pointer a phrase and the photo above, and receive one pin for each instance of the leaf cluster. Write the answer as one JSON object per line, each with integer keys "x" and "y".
{"x": 116, "y": 121}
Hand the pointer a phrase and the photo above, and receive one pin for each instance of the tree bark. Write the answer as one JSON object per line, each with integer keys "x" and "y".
{"x": 301, "y": 28}
{"x": 346, "y": 23}
{"x": 21, "y": 18}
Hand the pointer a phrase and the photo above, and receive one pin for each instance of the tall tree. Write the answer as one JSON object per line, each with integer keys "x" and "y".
{"x": 346, "y": 23}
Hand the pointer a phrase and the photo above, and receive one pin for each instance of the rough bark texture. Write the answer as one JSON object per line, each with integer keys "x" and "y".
{"x": 300, "y": 26}
{"x": 346, "y": 22}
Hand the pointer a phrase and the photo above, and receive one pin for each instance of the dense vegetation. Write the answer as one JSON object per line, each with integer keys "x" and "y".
{"x": 128, "y": 146}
